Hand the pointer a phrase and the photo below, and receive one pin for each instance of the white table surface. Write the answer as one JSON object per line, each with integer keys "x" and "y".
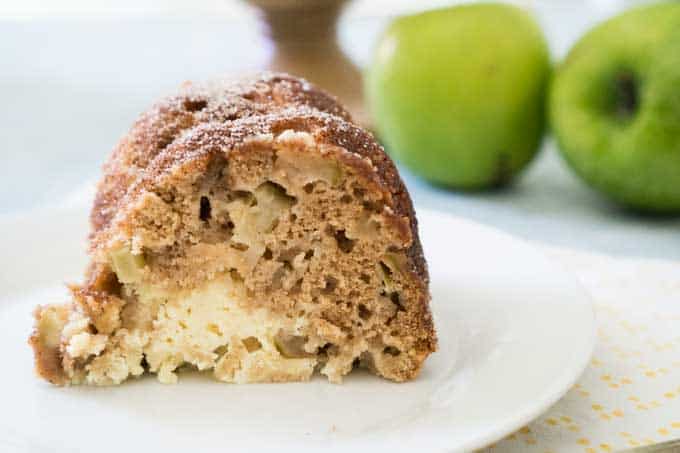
{"x": 72, "y": 83}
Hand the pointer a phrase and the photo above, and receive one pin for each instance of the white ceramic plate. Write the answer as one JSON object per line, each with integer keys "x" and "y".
{"x": 515, "y": 333}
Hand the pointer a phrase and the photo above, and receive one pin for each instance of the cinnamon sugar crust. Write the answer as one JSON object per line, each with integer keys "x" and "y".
{"x": 216, "y": 101}
{"x": 248, "y": 228}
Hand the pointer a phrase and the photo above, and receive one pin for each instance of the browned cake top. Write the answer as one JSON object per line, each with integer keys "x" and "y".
{"x": 183, "y": 131}
{"x": 217, "y": 101}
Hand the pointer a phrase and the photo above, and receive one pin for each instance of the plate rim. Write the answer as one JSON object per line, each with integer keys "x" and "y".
{"x": 559, "y": 387}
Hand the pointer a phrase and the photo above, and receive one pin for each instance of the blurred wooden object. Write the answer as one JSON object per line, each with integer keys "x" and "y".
{"x": 304, "y": 39}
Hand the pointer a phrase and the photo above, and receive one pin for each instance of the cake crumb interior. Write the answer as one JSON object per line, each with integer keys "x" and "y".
{"x": 267, "y": 266}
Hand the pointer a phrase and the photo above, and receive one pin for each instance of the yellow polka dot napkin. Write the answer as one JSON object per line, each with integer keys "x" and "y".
{"x": 630, "y": 393}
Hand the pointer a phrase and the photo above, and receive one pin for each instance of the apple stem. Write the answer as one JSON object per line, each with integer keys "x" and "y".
{"x": 626, "y": 93}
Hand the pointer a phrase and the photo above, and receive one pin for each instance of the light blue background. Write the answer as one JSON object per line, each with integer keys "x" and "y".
{"x": 71, "y": 86}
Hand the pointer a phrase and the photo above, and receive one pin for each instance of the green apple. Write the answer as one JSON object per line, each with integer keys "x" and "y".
{"x": 457, "y": 94}
{"x": 615, "y": 108}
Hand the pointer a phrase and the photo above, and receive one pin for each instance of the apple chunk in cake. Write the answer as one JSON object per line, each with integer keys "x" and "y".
{"x": 249, "y": 229}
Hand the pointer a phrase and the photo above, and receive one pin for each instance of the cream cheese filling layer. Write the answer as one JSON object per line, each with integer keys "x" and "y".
{"x": 210, "y": 327}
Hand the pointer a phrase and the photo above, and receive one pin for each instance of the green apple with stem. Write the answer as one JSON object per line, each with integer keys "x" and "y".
{"x": 457, "y": 94}
{"x": 615, "y": 108}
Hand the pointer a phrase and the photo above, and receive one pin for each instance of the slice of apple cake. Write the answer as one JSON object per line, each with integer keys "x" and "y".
{"x": 248, "y": 228}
